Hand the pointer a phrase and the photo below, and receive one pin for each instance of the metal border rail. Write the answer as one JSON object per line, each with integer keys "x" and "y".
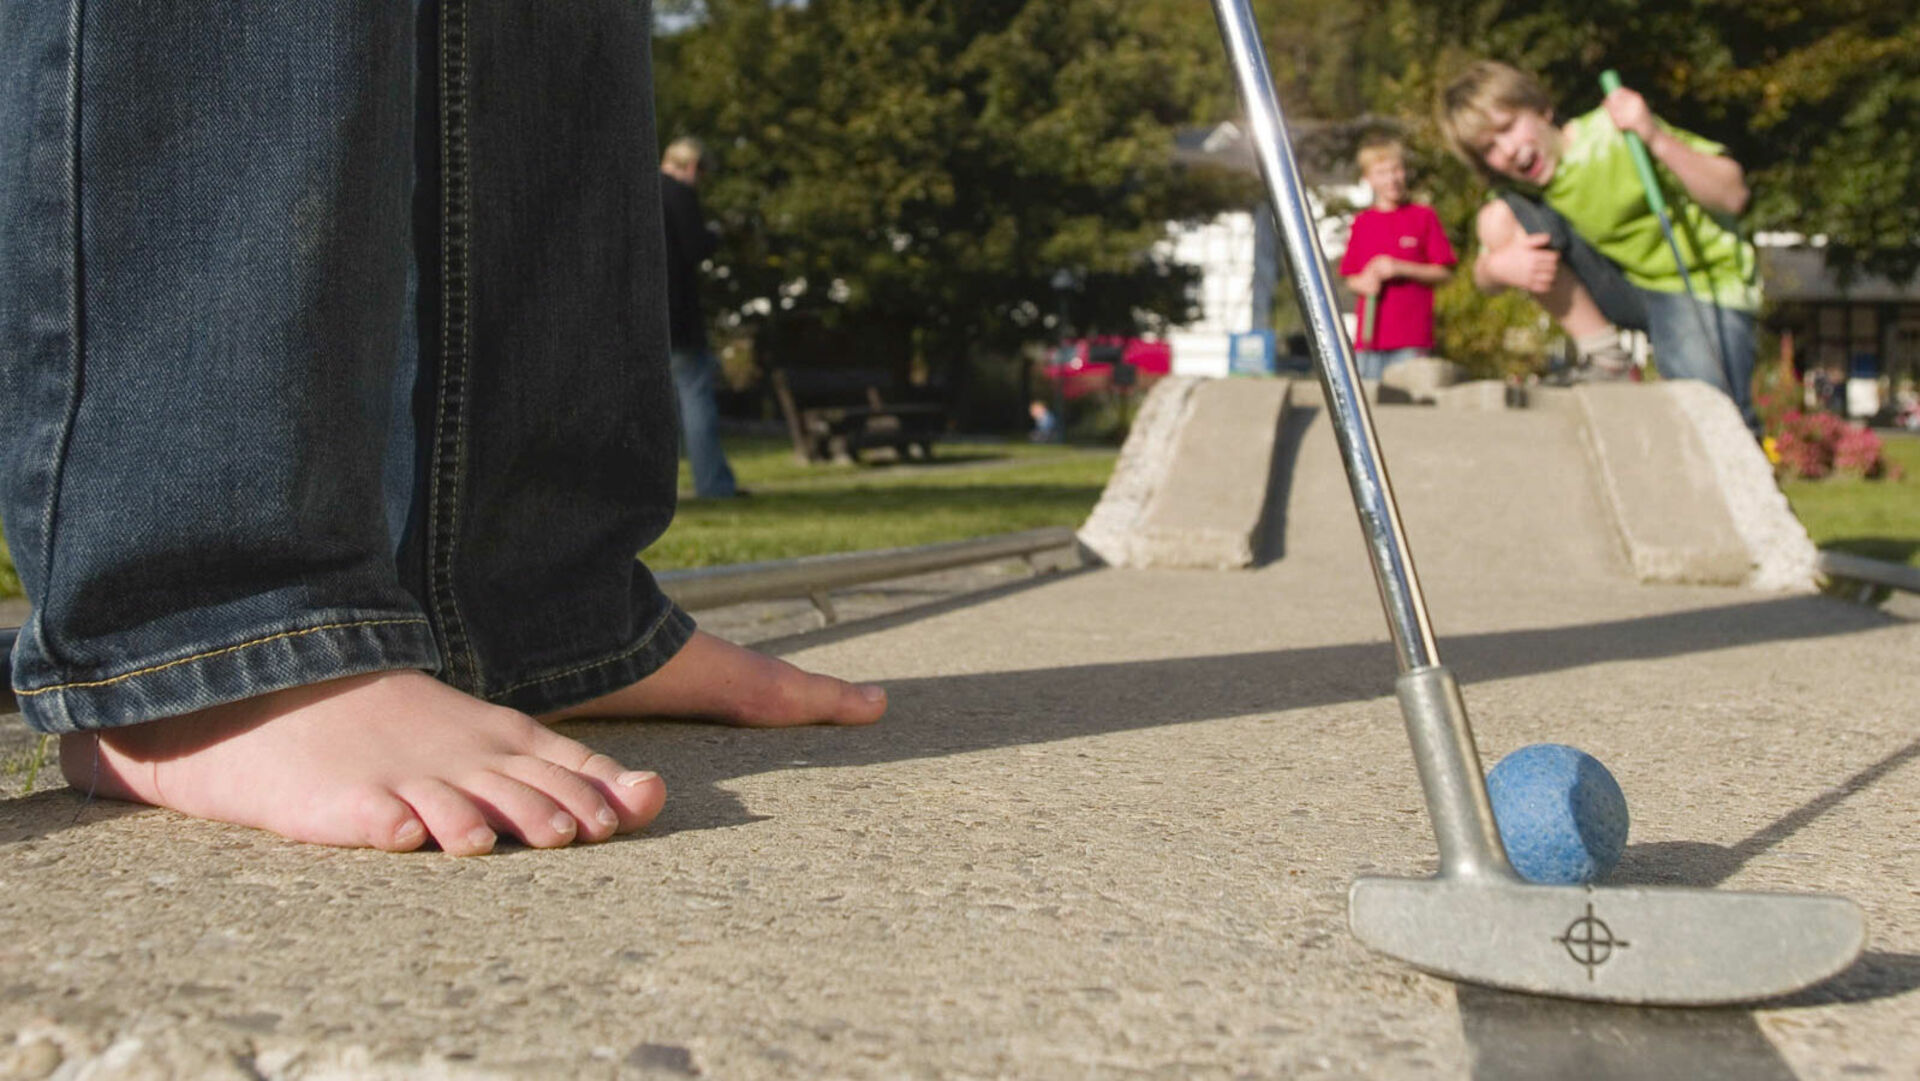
{"x": 812, "y": 577}
{"x": 1872, "y": 572}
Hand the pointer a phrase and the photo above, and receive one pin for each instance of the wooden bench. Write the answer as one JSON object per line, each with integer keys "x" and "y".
{"x": 835, "y": 413}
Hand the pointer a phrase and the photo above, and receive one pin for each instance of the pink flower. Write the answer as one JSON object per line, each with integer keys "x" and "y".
{"x": 1857, "y": 452}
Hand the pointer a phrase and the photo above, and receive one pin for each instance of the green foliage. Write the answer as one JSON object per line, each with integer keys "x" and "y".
{"x": 921, "y": 171}
{"x": 1813, "y": 97}
{"x": 904, "y": 180}
{"x": 1775, "y": 391}
{"x": 1491, "y": 336}
{"x": 9, "y": 578}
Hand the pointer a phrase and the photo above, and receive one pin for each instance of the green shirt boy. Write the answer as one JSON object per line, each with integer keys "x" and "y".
{"x": 1598, "y": 191}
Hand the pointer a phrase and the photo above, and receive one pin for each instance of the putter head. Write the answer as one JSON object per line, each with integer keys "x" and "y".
{"x": 1631, "y": 944}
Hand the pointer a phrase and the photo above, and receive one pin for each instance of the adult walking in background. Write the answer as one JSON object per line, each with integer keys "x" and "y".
{"x": 695, "y": 371}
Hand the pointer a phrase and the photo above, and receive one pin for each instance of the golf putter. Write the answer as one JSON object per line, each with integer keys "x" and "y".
{"x": 1642, "y": 164}
{"x": 1477, "y": 921}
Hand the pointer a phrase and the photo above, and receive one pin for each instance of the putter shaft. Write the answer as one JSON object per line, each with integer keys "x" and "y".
{"x": 1478, "y": 921}
{"x": 1333, "y": 354}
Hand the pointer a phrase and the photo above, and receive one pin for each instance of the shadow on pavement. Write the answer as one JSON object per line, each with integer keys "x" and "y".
{"x": 945, "y": 715}
{"x": 1512, "y": 1037}
{"x": 1688, "y": 863}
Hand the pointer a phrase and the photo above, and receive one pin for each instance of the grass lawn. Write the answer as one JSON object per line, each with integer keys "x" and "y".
{"x": 1876, "y": 518}
{"x": 968, "y": 490}
{"x": 979, "y": 489}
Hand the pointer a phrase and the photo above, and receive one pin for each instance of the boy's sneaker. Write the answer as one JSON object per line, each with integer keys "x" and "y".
{"x": 1603, "y": 359}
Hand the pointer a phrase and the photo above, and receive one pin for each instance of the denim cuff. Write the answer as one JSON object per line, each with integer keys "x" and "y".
{"x": 345, "y": 644}
{"x": 662, "y": 635}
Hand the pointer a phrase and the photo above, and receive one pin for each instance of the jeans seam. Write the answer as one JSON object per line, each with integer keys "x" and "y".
{"x": 449, "y": 456}
{"x": 224, "y": 650}
{"x": 49, "y": 518}
{"x": 644, "y": 642}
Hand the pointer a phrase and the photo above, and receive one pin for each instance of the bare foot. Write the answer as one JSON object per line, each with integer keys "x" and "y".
{"x": 384, "y": 760}
{"x": 713, "y": 679}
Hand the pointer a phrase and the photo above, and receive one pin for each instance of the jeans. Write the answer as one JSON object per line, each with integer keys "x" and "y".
{"x": 323, "y": 354}
{"x": 1683, "y": 348}
{"x": 1375, "y": 362}
{"x": 696, "y": 374}
{"x": 1693, "y": 339}
{"x": 1618, "y": 299}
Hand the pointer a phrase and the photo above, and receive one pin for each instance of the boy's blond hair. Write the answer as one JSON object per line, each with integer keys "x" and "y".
{"x": 1468, "y": 103}
{"x": 1378, "y": 148}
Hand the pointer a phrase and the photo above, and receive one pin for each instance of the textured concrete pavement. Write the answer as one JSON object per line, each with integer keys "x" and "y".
{"x": 1105, "y": 832}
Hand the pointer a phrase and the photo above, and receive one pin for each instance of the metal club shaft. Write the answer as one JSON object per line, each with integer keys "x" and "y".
{"x": 1339, "y": 377}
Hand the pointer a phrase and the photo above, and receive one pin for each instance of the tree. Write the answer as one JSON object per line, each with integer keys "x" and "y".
{"x": 914, "y": 174}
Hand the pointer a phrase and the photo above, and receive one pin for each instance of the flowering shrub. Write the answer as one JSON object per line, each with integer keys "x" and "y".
{"x": 1813, "y": 445}
{"x": 1775, "y": 392}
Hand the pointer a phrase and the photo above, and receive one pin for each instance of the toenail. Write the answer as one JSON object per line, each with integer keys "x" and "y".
{"x": 635, "y": 778}
{"x": 607, "y": 817}
{"x": 481, "y": 838}
{"x": 409, "y": 832}
{"x": 872, "y": 693}
{"x": 562, "y": 822}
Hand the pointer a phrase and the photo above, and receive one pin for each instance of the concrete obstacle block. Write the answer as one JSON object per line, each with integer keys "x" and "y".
{"x": 1192, "y": 484}
{"x": 1783, "y": 557}
{"x": 1141, "y": 470}
{"x": 1481, "y": 395}
{"x": 1690, "y": 491}
{"x": 1417, "y": 381}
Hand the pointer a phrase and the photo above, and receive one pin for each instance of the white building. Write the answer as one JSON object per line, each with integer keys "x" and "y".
{"x": 1238, "y": 255}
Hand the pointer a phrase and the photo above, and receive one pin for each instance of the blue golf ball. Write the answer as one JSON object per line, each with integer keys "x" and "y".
{"x": 1561, "y": 815}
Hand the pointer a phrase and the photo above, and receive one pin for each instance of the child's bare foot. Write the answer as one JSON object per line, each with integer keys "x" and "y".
{"x": 713, "y": 679}
{"x": 384, "y": 760}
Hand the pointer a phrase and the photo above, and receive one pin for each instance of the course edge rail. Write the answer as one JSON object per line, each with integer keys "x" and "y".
{"x": 811, "y": 577}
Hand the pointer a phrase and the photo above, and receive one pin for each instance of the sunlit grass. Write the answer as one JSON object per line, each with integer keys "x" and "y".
{"x": 1876, "y": 518}
{"x": 969, "y": 490}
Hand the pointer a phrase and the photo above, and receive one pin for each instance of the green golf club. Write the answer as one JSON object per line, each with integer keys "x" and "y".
{"x": 1643, "y": 164}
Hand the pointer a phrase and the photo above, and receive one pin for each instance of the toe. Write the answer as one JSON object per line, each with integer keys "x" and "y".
{"x": 797, "y": 697}
{"x": 455, "y": 821}
{"x": 514, "y": 807}
{"x": 634, "y": 796}
{"x": 594, "y": 818}
{"x": 860, "y": 703}
{"x": 380, "y": 819}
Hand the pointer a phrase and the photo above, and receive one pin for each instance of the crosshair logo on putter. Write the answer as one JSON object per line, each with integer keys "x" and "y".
{"x": 1590, "y": 942}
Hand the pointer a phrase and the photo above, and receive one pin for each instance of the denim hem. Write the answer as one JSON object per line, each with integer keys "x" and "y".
{"x": 587, "y": 680}
{"x": 270, "y": 661}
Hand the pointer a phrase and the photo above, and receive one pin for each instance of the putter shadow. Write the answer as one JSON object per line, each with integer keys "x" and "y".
{"x": 1513, "y": 1037}
{"x": 1689, "y": 863}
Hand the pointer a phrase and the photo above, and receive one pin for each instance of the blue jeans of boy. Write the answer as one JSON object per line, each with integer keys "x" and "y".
{"x": 333, "y": 340}
{"x": 1373, "y": 363}
{"x": 1691, "y": 339}
{"x": 696, "y": 378}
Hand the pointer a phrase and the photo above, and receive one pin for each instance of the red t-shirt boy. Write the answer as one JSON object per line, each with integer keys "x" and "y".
{"x": 1395, "y": 256}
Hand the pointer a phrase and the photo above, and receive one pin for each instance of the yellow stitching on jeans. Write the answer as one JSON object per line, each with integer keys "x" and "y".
{"x": 645, "y": 641}
{"x": 216, "y": 653}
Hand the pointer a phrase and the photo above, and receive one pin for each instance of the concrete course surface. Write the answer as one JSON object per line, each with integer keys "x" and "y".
{"x": 1105, "y": 832}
